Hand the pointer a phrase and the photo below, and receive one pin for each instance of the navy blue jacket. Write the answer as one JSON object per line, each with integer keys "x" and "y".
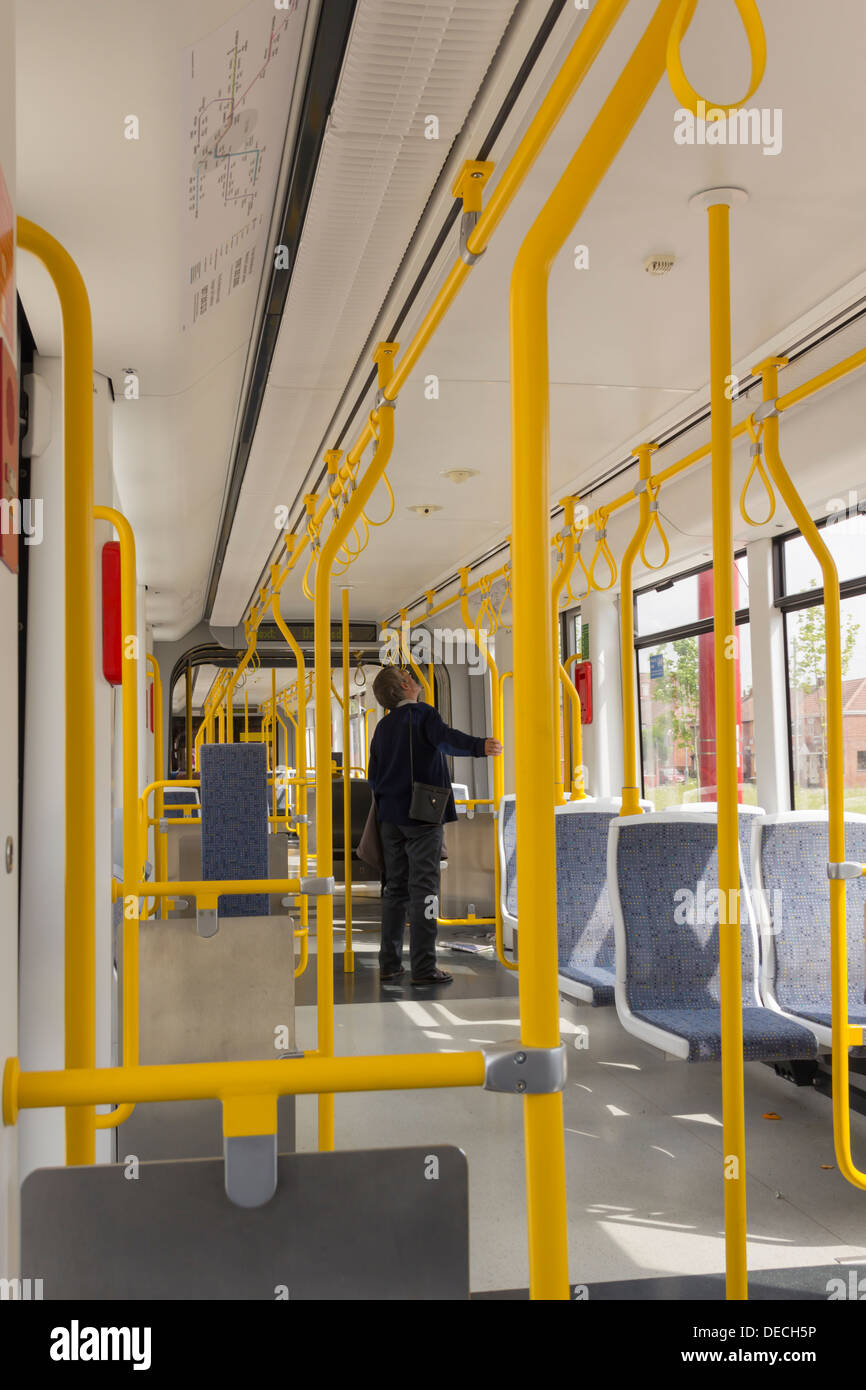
{"x": 388, "y": 770}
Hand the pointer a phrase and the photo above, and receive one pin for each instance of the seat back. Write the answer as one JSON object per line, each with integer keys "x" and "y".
{"x": 746, "y": 816}
{"x": 175, "y": 798}
{"x": 663, "y": 882}
{"x": 508, "y": 857}
{"x": 790, "y": 854}
{"x": 583, "y": 912}
{"x": 234, "y": 821}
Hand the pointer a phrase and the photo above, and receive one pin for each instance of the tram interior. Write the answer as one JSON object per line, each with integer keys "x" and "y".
{"x": 316, "y": 452}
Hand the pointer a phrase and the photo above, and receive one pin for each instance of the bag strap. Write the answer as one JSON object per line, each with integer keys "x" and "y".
{"x": 411, "y": 762}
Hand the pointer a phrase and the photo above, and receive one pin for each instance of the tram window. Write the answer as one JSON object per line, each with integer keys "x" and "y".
{"x": 687, "y": 600}
{"x": 843, "y": 533}
{"x": 808, "y": 704}
{"x": 674, "y": 642}
{"x": 677, "y": 710}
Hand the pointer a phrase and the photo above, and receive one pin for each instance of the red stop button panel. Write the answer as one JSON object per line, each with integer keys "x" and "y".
{"x": 112, "y": 632}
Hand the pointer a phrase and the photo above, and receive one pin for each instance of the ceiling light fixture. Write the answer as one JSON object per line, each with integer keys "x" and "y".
{"x": 425, "y": 508}
{"x": 459, "y": 475}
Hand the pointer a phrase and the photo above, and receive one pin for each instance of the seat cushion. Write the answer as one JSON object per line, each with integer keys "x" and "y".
{"x": 856, "y": 1015}
{"x": 600, "y": 981}
{"x": 767, "y": 1037}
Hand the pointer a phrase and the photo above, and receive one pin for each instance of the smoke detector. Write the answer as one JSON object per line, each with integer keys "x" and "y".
{"x": 460, "y": 475}
{"x": 661, "y": 264}
{"x": 425, "y": 508}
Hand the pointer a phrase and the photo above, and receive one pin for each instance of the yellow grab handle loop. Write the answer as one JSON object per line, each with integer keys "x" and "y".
{"x": 757, "y": 467}
{"x": 683, "y": 89}
{"x": 387, "y": 518}
{"x": 500, "y": 621}
{"x": 308, "y": 593}
{"x": 586, "y": 575}
{"x": 655, "y": 522}
{"x": 602, "y": 549}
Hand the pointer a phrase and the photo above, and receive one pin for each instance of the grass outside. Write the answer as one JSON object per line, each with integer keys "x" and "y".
{"x": 813, "y": 799}
{"x": 806, "y": 798}
{"x": 669, "y": 797}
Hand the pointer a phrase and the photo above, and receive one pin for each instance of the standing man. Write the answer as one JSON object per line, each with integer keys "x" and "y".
{"x": 412, "y": 848}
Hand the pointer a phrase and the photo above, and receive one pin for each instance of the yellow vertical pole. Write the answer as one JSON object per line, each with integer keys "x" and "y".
{"x": 384, "y": 424}
{"x": 843, "y": 1035}
{"x": 349, "y": 955}
{"x": 80, "y": 888}
{"x": 367, "y": 714}
{"x": 559, "y": 714}
{"x": 498, "y": 764}
{"x": 159, "y": 839}
{"x": 718, "y": 204}
{"x": 578, "y": 783}
{"x": 533, "y": 654}
{"x": 246, "y": 711}
{"x": 300, "y": 757}
{"x": 631, "y": 791}
{"x": 188, "y": 720}
{"x": 274, "y": 736}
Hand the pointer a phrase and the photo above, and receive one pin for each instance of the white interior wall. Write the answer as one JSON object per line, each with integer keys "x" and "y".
{"x": 9, "y": 715}
{"x": 41, "y": 999}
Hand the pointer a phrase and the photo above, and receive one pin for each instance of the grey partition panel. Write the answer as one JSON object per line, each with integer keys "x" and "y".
{"x": 373, "y": 1225}
{"x": 468, "y": 875}
{"x": 230, "y": 997}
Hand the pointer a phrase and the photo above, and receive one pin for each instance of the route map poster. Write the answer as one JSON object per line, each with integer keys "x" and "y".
{"x": 237, "y": 89}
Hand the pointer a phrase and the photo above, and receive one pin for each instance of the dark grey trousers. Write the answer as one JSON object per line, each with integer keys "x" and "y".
{"x": 411, "y": 888}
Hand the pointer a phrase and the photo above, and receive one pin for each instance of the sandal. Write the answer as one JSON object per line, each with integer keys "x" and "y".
{"x": 394, "y": 975}
{"x": 439, "y": 977}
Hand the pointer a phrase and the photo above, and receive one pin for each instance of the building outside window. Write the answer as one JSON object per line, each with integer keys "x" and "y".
{"x": 801, "y": 598}
{"x": 676, "y": 665}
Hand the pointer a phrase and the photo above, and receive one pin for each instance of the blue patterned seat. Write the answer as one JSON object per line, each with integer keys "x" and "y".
{"x": 746, "y": 817}
{"x": 584, "y": 920}
{"x": 791, "y": 853}
{"x": 663, "y": 879}
{"x": 234, "y": 821}
{"x": 583, "y": 915}
{"x": 174, "y": 799}
{"x": 508, "y": 859}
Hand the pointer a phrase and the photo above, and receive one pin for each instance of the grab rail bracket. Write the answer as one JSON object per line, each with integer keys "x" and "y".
{"x": 520, "y": 1070}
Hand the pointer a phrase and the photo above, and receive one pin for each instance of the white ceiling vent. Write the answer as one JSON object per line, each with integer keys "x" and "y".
{"x": 661, "y": 264}
{"x": 411, "y": 73}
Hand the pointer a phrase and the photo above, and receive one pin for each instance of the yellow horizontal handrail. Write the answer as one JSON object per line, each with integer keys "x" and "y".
{"x": 207, "y": 887}
{"x": 308, "y": 1075}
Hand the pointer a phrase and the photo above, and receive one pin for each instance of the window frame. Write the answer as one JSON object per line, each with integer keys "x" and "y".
{"x": 795, "y": 603}
{"x": 699, "y": 627}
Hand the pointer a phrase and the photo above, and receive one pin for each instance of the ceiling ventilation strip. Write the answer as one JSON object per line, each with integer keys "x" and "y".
{"x": 407, "y": 61}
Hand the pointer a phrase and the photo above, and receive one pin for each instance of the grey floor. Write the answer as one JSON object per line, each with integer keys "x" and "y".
{"x": 643, "y": 1137}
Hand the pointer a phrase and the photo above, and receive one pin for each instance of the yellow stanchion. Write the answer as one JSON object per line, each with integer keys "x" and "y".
{"x": 383, "y": 425}
{"x": 562, "y": 576}
{"x": 301, "y": 781}
{"x": 533, "y": 658}
{"x": 844, "y": 1036}
{"x": 631, "y": 791}
{"x": 718, "y": 204}
{"x": 80, "y": 887}
{"x": 498, "y": 775}
{"x": 348, "y": 954}
{"x": 160, "y": 845}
